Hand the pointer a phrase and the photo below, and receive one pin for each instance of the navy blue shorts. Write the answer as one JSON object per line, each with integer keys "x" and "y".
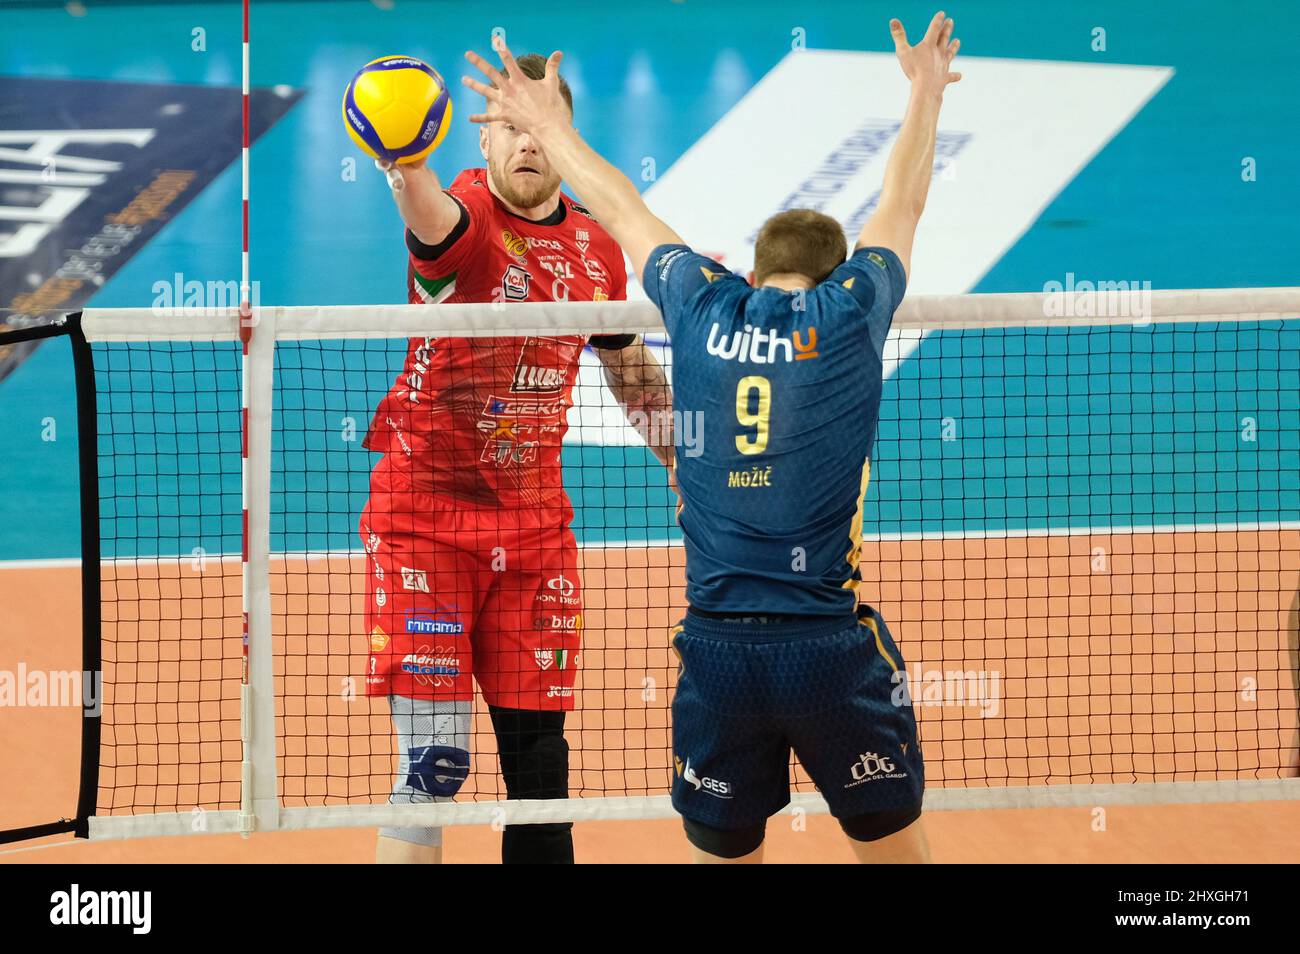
{"x": 833, "y": 690}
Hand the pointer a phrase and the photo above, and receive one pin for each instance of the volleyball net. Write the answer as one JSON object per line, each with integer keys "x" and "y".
{"x": 1083, "y": 527}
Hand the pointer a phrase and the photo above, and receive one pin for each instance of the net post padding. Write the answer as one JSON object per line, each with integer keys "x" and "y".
{"x": 91, "y": 636}
{"x": 258, "y": 705}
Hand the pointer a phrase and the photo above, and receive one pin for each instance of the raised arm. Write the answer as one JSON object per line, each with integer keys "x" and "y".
{"x": 638, "y": 382}
{"x": 911, "y": 161}
{"x": 428, "y": 212}
{"x": 538, "y": 108}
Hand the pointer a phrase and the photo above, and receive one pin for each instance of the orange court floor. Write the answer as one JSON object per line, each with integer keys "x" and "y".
{"x": 1104, "y": 678}
{"x": 1254, "y": 833}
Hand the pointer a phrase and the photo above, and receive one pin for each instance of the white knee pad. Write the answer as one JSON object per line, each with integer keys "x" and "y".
{"x": 433, "y": 741}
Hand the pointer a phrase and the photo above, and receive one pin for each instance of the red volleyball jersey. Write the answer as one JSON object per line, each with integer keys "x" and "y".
{"x": 483, "y": 419}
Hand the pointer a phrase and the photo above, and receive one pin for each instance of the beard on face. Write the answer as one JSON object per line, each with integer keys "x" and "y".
{"x": 527, "y": 194}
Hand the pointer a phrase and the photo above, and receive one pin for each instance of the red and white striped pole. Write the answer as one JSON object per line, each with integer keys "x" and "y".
{"x": 245, "y": 338}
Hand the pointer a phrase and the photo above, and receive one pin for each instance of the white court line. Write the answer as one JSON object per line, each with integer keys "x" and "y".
{"x": 1012, "y": 533}
{"x": 646, "y": 807}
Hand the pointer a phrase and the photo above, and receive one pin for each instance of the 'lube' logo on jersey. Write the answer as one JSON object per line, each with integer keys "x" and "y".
{"x": 756, "y": 346}
{"x": 529, "y": 378}
{"x": 546, "y": 658}
{"x": 709, "y": 786}
{"x": 543, "y": 366}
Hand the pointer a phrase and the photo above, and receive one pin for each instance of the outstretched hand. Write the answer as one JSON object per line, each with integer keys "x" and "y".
{"x": 527, "y": 104}
{"x": 928, "y": 63}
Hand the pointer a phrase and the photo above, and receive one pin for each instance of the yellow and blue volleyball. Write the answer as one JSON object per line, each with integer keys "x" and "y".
{"x": 397, "y": 108}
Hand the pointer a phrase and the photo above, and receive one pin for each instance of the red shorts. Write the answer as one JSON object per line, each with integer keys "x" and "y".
{"x": 455, "y": 594}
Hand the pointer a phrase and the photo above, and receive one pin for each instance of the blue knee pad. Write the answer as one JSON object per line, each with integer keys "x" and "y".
{"x": 437, "y": 770}
{"x": 433, "y": 739}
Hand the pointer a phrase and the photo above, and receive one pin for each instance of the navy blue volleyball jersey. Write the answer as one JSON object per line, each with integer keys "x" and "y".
{"x": 784, "y": 390}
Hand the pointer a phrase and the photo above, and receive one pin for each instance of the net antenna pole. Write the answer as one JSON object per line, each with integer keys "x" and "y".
{"x": 245, "y": 338}
{"x": 259, "y": 803}
{"x": 258, "y": 797}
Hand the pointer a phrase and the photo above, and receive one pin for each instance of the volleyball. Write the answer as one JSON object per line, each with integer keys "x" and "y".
{"x": 397, "y": 108}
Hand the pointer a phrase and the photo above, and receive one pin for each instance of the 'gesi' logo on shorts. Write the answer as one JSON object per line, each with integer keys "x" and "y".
{"x": 709, "y": 786}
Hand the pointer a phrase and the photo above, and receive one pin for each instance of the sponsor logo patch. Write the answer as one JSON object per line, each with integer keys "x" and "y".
{"x": 546, "y": 658}
{"x": 543, "y": 365}
{"x": 432, "y": 666}
{"x": 515, "y": 282}
{"x": 513, "y": 243}
{"x": 417, "y": 580}
{"x": 427, "y": 622}
{"x": 757, "y": 346}
{"x": 559, "y": 622}
{"x": 559, "y": 590}
{"x": 709, "y": 786}
{"x": 524, "y": 408}
{"x": 871, "y": 767}
{"x": 529, "y": 378}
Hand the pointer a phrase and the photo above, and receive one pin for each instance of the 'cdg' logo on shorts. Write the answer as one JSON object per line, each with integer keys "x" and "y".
{"x": 871, "y": 766}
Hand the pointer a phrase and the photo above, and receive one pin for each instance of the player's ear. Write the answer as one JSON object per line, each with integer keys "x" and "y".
{"x": 750, "y": 277}
{"x": 483, "y": 141}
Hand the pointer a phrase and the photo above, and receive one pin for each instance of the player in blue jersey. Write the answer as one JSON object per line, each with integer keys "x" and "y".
{"x": 777, "y": 652}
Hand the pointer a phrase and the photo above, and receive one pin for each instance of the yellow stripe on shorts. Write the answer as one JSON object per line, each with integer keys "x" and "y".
{"x": 870, "y": 623}
{"x": 672, "y": 635}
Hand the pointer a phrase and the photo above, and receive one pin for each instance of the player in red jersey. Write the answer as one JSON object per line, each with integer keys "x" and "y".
{"x": 472, "y": 568}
